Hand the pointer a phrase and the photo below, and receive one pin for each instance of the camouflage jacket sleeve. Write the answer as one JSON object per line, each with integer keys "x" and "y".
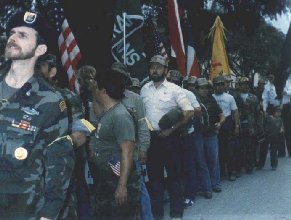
{"x": 58, "y": 161}
{"x": 74, "y": 106}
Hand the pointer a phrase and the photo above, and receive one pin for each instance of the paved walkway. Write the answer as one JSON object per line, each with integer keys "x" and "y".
{"x": 263, "y": 195}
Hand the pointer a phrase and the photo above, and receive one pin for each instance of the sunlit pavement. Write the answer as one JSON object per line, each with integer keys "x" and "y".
{"x": 263, "y": 195}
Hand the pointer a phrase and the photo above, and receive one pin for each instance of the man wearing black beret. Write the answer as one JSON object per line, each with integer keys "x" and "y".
{"x": 37, "y": 156}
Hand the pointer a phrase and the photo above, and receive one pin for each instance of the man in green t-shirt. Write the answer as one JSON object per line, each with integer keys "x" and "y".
{"x": 113, "y": 152}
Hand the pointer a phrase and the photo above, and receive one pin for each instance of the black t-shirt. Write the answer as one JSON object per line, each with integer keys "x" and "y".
{"x": 210, "y": 114}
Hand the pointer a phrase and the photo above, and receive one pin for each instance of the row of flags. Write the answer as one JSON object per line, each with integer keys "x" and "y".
{"x": 181, "y": 40}
{"x": 128, "y": 44}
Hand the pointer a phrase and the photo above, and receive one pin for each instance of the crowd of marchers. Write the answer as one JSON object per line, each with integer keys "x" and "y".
{"x": 185, "y": 135}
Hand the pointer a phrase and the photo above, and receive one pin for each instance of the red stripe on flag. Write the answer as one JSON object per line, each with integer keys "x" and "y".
{"x": 76, "y": 60}
{"x": 72, "y": 45}
{"x": 195, "y": 68}
{"x": 72, "y": 82}
{"x": 66, "y": 32}
{"x": 62, "y": 48}
{"x": 67, "y": 64}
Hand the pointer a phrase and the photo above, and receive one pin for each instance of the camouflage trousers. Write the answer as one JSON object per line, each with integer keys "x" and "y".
{"x": 69, "y": 210}
{"x": 20, "y": 206}
{"x": 103, "y": 201}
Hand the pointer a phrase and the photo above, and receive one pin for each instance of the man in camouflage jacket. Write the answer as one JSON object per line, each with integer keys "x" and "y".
{"x": 37, "y": 157}
{"x": 249, "y": 119}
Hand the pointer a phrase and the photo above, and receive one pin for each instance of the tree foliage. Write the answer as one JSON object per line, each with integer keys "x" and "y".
{"x": 257, "y": 54}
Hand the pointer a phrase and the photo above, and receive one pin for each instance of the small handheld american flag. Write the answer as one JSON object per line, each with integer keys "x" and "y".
{"x": 114, "y": 165}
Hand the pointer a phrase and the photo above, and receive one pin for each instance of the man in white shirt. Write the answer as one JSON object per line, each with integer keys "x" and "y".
{"x": 193, "y": 159}
{"x": 286, "y": 112}
{"x": 269, "y": 94}
{"x": 161, "y": 96}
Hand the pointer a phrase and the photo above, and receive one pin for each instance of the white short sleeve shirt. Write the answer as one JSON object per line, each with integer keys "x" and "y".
{"x": 226, "y": 103}
{"x": 159, "y": 101}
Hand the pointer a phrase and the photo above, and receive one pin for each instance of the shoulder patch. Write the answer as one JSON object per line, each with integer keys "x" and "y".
{"x": 62, "y": 106}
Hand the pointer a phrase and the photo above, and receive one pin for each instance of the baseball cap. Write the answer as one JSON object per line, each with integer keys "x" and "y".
{"x": 192, "y": 80}
{"x": 219, "y": 79}
{"x": 135, "y": 82}
{"x": 202, "y": 82}
{"x": 243, "y": 79}
{"x": 159, "y": 59}
{"x": 48, "y": 58}
{"x": 121, "y": 68}
{"x": 175, "y": 75}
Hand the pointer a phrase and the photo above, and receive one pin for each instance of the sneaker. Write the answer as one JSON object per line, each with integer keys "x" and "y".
{"x": 188, "y": 203}
{"x": 208, "y": 195}
{"x": 232, "y": 178}
{"x": 216, "y": 189}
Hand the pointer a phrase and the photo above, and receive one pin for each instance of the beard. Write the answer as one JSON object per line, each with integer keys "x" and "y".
{"x": 11, "y": 55}
{"x": 156, "y": 78}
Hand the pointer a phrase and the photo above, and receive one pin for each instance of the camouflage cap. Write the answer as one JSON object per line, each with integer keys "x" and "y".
{"x": 192, "y": 80}
{"x": 219, "y": 79}
{"x": 202, "y": 82}
{"x": 121, "y": 68}
{"x": 35, "y": 21}
{"x": 159, "y": 59}
{"x": 135, "y": 82}
{"x": 175, "y": 75}
{"x": 243, "y": 79}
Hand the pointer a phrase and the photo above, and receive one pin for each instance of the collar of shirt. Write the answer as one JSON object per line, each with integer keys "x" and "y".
{"x": 165, "y": 84}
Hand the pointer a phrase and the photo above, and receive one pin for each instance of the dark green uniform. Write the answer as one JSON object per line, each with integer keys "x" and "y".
{"x": 37, "y": 158}
{"x": 74, "y": 106}
{"x": 114, "y": 127}
{"x": 249, "y": 120}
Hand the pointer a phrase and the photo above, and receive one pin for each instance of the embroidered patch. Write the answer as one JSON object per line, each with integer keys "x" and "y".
{"x": 62, "y": 106}
{"x": 23, "y": 125}
{"x": 29, "y": 17}
{"x": 29, "y": 111}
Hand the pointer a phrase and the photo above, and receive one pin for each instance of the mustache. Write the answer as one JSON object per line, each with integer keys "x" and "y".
{"x": 12, "y": 44}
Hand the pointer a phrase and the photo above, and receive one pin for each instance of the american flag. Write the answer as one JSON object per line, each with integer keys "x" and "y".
{"x": 115, "y": 166}
{"x": 69, "y": 50}
{"x": 176, "y": 36}
{"x": 192, "y": 61}
{"x": 159, "y": 48}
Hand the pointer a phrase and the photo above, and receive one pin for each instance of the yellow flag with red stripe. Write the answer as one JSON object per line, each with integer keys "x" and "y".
{"x": 219, "y": 60}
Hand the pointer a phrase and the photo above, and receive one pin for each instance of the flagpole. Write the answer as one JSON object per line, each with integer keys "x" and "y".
{"x": 124, "y": 40}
